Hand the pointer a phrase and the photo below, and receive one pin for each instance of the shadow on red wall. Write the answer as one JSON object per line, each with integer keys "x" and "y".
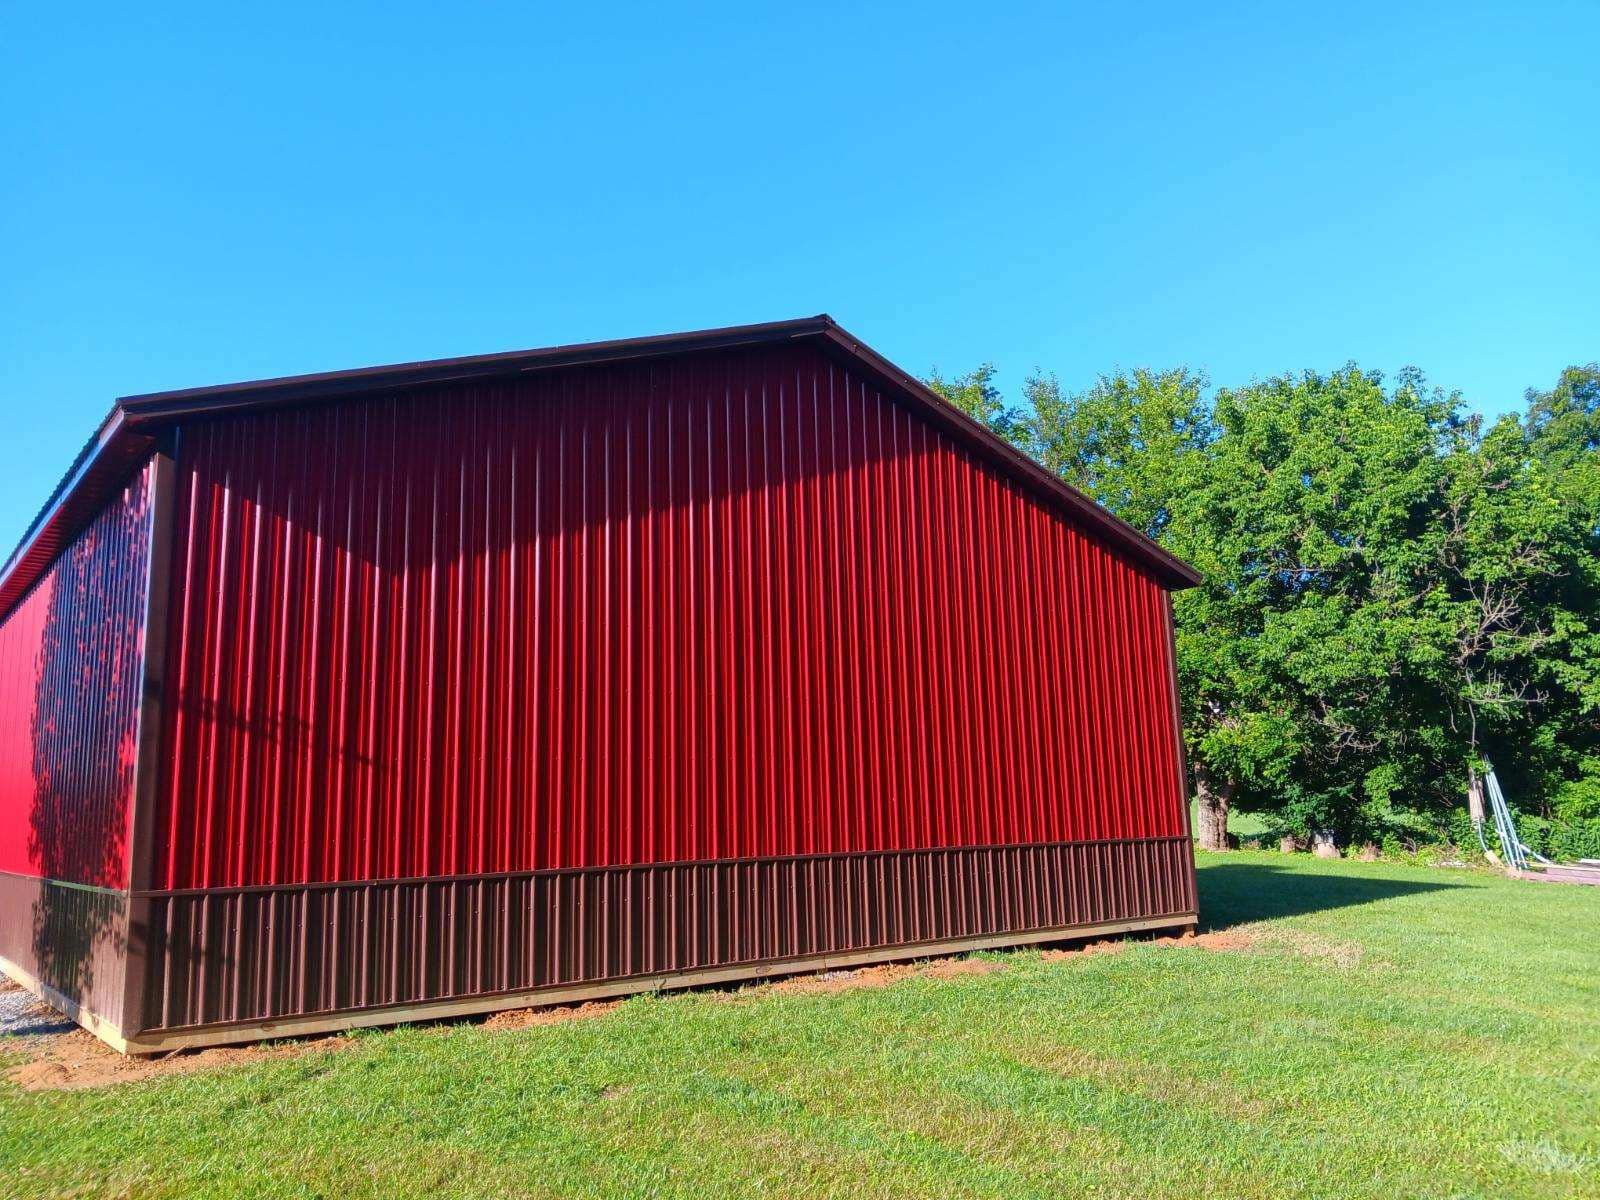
{"x": 83, "y": 735}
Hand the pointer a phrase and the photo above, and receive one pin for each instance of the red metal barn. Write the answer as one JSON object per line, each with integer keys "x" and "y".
{"x": 454, "y": 686}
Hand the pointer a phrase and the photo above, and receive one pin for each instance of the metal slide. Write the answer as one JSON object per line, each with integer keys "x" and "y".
{"x": 1513, "y": 852}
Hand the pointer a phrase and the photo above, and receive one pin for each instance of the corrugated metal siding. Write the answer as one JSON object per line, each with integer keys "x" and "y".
{"x": 71, "y": 661}
{"x": 732, "y": 605}
{"x": 88, "y": 489}
{"x": 71, "y": 670}
{"x": 72, "y": 938}
{"x": 273, "y": 953}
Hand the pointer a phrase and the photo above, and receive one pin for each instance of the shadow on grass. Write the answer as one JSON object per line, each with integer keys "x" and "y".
{"x": 1237, "y": 893}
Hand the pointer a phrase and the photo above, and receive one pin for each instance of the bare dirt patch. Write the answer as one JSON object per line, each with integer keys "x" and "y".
{"x": 1300, "y": 942}
{"x": 1117, "y": 945}
{"x": 883, "y": 975}
{"x": 528, "y": 1018}
{"x": 1223, "y": 939}
{"x": 1108, "y": 946}
{"x": 950, "y": 968}
{"x": 1315, "y": 946}
{"x": 75, "y": 1060}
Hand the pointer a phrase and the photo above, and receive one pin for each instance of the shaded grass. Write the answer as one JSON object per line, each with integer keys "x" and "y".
{"x": 1375, "y": 1030}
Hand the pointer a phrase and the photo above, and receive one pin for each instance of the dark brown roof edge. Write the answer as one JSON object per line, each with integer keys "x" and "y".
{"x": 330, "y": 385}
{"x": 125, "y": 435}
{"x": 132, "y": 418}
{"x": 1172, "y": 570}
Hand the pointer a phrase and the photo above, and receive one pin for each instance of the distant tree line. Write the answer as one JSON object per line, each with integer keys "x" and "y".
{"x": 1396, "y": 590}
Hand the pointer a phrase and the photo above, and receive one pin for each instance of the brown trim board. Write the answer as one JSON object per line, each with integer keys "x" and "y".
{"x": 331, "y": 1022}
{"x": 247, "y": 957}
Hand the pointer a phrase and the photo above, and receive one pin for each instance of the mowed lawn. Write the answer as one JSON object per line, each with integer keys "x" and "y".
{"x": 1346, "y": 1029}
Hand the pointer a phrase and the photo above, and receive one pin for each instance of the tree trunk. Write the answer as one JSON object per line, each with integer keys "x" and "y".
{"x": 1211, "y": 801}
{"x": 1475, "y": 807}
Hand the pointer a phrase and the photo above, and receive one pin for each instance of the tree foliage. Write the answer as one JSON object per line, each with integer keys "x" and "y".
{"x": 976, "y": 395}
{"x": 1394, "y": 591}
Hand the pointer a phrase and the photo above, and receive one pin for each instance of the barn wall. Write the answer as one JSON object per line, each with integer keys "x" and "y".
{"x": 736, "y": 607}
{"x": 71, "y": 671}
{"x": 257, "y": 954}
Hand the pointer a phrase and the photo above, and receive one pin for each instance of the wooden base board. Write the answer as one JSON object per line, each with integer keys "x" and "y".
{"x": 99, "y": 1026}
{"x": 221, "y": 1035}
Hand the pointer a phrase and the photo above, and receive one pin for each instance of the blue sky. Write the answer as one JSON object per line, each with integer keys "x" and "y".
{"x": 198, "y": 195}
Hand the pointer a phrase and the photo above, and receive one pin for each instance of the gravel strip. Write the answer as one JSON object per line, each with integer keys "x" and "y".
{"x": 22, "y": 1014}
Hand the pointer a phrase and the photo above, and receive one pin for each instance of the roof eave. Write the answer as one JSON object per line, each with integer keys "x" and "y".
{"x": 130, "y": 430}
{"x": 158, "y": 407}
{"x": 1173, "y": 572}
{"x": 103, "y": 465}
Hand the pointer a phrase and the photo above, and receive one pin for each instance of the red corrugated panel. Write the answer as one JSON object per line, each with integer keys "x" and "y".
{"x": 727, "y": 605}
{"x": 71, "y": 659}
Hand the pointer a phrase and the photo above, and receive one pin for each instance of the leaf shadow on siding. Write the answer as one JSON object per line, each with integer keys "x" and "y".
{"x": 83, "y": 736}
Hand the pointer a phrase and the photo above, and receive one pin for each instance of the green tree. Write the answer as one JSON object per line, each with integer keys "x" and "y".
{"x": 1305, "y": 521}
{"x": 1563, "y": 431}
{"x": 1392, "y": 591}
{"x": 1130, "y": 441}
{"x": 976, "y": 395}
{"x": 1551, "y": 749}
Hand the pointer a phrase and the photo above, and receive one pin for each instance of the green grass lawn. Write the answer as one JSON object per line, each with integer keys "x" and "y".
{"x": 1353, "y": 1029}
{"x": 1240, "y": 824}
